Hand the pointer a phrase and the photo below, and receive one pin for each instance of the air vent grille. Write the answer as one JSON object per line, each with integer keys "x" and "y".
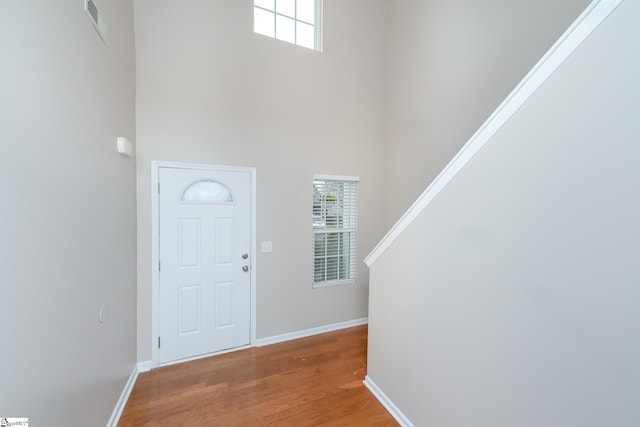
{"x": 96, "y": 19}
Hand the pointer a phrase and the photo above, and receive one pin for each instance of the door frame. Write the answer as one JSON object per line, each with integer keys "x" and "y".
{"x": 155, "y": 249}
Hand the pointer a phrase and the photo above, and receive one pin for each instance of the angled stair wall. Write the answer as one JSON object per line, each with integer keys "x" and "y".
{"x": 507, "y": 295}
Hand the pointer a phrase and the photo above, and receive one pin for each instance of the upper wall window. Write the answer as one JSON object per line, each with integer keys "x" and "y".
{"x": 293, "y": 21}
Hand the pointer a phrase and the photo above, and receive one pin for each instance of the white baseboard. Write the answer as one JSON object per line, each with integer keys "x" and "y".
{"x": 387, "y": 403}
{"x": 260, "y": 342}
{"x": 124, "y": 396}
{"x": 145, "y": 366}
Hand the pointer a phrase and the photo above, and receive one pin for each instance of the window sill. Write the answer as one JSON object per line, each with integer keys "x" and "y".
{"x": 333, "y": 283}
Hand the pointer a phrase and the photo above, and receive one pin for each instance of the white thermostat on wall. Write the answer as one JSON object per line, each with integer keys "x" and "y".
{"x": 124, "y": 146}
{"x": 96, "y": 19}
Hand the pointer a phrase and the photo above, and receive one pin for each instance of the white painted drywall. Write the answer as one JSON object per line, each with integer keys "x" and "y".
{"x": 67, "y": 211}
{"x": 513, "y": 299}
{"x": 451, "y": 63}
{"x": 209, "y": 90}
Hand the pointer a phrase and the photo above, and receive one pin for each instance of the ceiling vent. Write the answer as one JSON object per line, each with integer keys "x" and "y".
{"x": 96, "y": 19}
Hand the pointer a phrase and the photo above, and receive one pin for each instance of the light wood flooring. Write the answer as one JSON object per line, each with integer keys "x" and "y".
{"x": 314, "y": 381}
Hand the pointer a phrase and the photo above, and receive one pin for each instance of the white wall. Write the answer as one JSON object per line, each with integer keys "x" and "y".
{"x": 67, "y": 216}
{"x": 513, "y": 299}
{"x": 451, "y": 63}
{"x": 211, "y": 91}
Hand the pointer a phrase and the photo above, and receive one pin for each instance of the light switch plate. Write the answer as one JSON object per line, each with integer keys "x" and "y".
{"x": 267, "y": 247}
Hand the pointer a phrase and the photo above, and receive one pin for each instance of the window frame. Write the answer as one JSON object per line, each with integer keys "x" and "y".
{"x": 348, "y": 212}
{"x": 317, "y": 25}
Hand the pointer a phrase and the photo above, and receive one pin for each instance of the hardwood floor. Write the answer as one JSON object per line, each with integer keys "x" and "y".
{"x": 315, "y": 381}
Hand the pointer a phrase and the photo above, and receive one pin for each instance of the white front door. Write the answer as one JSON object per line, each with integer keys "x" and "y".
{"x": 205, "y": 248}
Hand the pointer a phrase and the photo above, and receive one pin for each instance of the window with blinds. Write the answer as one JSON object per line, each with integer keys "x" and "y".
{"x": 335, "y": 217}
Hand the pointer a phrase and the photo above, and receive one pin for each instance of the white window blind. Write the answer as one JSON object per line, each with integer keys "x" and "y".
{"x": 335, "y": 217}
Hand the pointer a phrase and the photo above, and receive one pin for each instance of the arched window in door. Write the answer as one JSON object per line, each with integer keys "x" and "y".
{"x": 206, "y": 192}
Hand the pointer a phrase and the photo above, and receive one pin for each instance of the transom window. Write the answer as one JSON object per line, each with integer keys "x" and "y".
{"x": 206, "y": 192}
{"x": 335, "y": 217}
{"x": 293, "y": 21}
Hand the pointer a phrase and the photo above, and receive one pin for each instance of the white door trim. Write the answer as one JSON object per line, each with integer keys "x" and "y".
{"x": 155, "y": 244}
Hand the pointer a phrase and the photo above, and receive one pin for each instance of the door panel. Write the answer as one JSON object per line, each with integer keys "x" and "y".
{"x": 225, "y": 304}
{"x": 189, "y": 242}
{"x": 225, "y": 232}
{"x": 189, "y": 307}
{"x": 204, "y": 292}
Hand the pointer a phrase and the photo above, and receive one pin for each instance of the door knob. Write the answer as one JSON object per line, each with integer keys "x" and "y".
{"x": 245, "y": 268}
{"x": 245, "y": 256}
